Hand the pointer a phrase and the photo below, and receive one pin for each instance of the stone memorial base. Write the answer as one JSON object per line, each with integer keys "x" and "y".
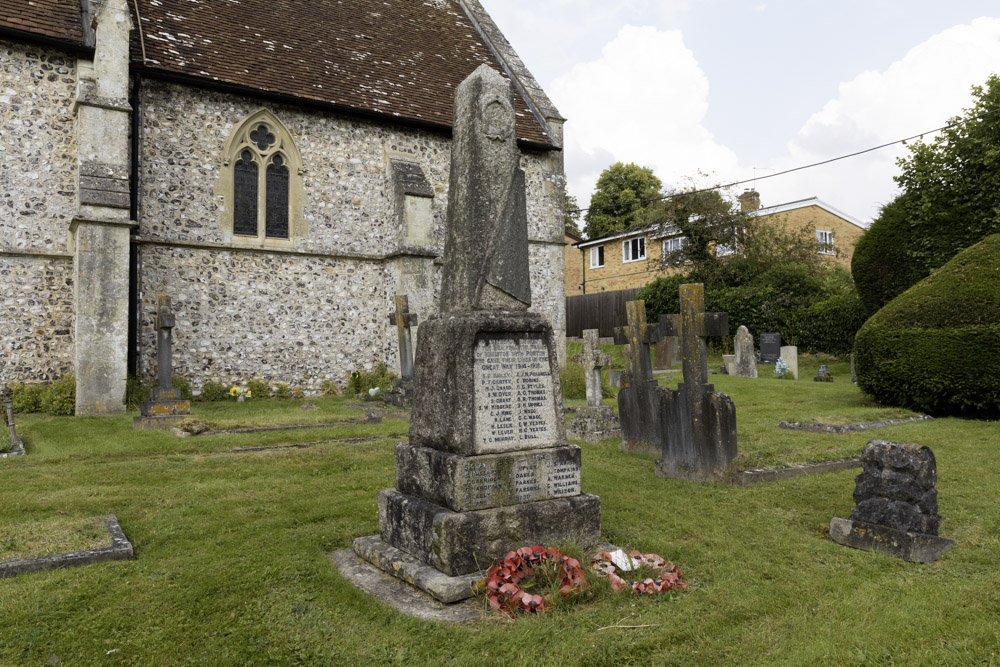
{"x": 914, "y": 547}
{"x": 401, "y": 394}
{"x": 594, "y": 424}
{"x": 166, "y": 410}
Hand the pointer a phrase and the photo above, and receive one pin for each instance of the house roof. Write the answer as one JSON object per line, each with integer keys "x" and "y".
{"x": 398, "y": 58}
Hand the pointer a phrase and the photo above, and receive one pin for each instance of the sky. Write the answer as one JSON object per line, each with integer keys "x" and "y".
{"x": 717, "y": 91}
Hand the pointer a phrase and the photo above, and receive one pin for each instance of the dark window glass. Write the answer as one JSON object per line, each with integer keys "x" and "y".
{"x": 245, "y": 195}
{"x": 262, "y": 137}
{"x": 276, "y": 221}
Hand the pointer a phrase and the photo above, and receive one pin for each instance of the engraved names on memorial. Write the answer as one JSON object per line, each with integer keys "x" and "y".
{"x": 492, "y": 481}
{"x": 514, "y": 398}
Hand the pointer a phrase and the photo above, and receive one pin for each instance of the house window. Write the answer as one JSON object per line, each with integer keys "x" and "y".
{"x": 262, "y": 183}
{"x": 673, "y": 245}
{"x": 634, "y": 250}
{"x": 824, "y": 242}
{"x": 724, "y": 250}
{"x": 597, "y": 257}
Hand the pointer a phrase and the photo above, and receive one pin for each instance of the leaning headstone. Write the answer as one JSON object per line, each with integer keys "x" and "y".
{"x": 729, "y": 362}
{"x": 487, "y": 468}
{"x": 639, "y": 396}
{"x": 401, "y": 392}
{"x": 854, "y": 375}
{"x": 167, "y": 408}
{"x": 790, "y": 353}
{"x": 746, "y": 363}
{"x": 770, "y": 347}
{"x": 596, "y": 421}
{"x": 896, "y": 509}
{"x": 664, "y": 353}
{"x": 823, "y": 374}
{"x": 16, "y": 444}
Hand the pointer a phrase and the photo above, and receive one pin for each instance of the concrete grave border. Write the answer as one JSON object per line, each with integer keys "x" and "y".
{"x": 850, "y": 428}
{"x": 120, "y": 549}
{"x": 760, "y": 475}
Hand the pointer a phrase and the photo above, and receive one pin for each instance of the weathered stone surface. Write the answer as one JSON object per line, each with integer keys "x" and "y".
{"x": 729, "y": 361}
{"x": 594, "y": 424}
{"x": 639, "y": 397}
{"x": 462, "y": 483}
{"x": 664, "y": 353}
{"x": 849, "y": 428}
{"x": 790, "y": 353}
{"x": 455, "y": 357}
{"x": 896, "y": 488}
{"x": 592, "y": 360}
{"x": 615, "y": 377}
{"x": 463, "y": 542}
{"x": 167, "y": 409}
{"x": 401, "y": 394}
{"x": 746, "y": 362}
{"x": 915, "y": 547}
{"x": 404, "y": 319}
{"x": 823, "y": 374}
{"x": 486, "y": 261}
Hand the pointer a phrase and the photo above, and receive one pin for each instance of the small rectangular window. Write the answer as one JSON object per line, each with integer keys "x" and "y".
{"x": 597, "y": 257}
{"x": 634, "y": 250}
{"x": 824, "y": 242}
{"x": 673, "y": 245}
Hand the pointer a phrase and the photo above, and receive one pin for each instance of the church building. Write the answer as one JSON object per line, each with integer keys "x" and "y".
{"x": 278, "y": 169}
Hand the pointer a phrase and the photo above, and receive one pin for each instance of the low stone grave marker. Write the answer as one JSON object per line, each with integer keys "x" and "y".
{"x": 896, "y": 507}
{"x": 746, "y": 362}
{"x": 596, "y": 421}
{"x": 790, "y": 354}
{"x": 823, "y": 374}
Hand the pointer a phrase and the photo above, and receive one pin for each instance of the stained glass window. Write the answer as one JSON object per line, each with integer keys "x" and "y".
{"x": 245, "y": 195}
{"x": 276, "y": 190}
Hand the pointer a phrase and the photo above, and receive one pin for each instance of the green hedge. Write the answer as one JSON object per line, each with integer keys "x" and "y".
{"x": 936, "y": 347}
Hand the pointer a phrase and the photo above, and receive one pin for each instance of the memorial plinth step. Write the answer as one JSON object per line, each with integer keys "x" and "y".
{"x": 462, "y": 483}
{"x": 161, "y": 413}
{"x": 459, "y": 543}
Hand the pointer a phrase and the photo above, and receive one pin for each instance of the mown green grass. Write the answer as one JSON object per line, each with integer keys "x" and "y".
{"x": 232, "y": 551}
{"x": 57, "y": 535}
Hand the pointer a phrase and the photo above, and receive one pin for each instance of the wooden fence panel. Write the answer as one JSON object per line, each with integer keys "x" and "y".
{"x": 602, "y": 311}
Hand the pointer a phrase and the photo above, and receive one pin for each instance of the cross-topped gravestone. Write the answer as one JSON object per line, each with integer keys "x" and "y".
{"x": 638, "y": 334}
{"x": 16, "y": 445}
{"x": 592, "y": 360}
{"x": 692, "y": 325}
{"x": 642, "y": 428}
{"x": 167, "y": 408}
{"x": 404, "y": 319}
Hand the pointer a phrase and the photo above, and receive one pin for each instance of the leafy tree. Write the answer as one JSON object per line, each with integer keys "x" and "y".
{"x": 952, "y": 185}
{"x": 881, "y": 265}
{"x": 571, "y": 215}
{"x": 623, "y": 194}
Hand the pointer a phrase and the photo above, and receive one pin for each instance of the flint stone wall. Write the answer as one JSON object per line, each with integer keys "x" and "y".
{"x": 321, "y": 311}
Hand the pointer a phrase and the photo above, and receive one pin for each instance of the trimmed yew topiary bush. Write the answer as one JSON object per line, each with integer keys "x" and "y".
{"x": 936, "y": 347}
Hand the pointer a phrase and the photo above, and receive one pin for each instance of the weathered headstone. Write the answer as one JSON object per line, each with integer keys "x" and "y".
{"x": 615, "y": 377}
{"x": 746, "y": 362}
{"x": 664, "y": 353}
{"x": 16, "y": 444}
{"x": 402, "y": 389}
{"x": 854, "y": 375}
{"x": 770, "y": 347}
{"x": 790, "y": 353}
{"x": 896, "y": 509}
{"x": 729, "y": 361}
{"x": 639, "y": 398}
{"x": 596, "y": 421}
{"x": 166, "y": 408}
{"x": 487, "y": 468}
{"x": 823, "y": 374}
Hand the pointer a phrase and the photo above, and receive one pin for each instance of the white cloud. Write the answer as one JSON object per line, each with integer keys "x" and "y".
{"x": 642, "y": 101}
{"x": 927, "y": 86}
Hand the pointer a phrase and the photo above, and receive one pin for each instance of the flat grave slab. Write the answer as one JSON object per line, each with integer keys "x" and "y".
{"x": 119, "y": 549}
{"x": 849, "y": 428}
{"x": 914, "y": 547}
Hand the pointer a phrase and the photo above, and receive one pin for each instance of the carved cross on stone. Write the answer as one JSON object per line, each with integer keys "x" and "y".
{"x": 692, "y": 326}
{"x": 164, "y": 346}
{"x": 404, "y": 319}
{"x": 639, "y": 334}
{"x": 592, "y": 360}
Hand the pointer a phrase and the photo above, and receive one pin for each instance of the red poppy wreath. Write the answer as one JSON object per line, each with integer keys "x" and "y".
{"x": 667, "y": 575}
{"x": 503, "y": 581}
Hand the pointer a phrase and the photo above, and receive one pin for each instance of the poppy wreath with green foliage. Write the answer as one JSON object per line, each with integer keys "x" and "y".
{"x": 668, "y": 575}
{"x": 503, "y": 581}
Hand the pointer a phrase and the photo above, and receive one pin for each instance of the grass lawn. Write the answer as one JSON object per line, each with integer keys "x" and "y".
{"x": 232, "y": 568}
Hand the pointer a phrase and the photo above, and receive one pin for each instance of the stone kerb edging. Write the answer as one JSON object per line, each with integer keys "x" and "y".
{"x": 751, "y": 477}
{"x": 16, "y": 449}
{"x": 849, "y": 428}
{"x": 120, "y": 549}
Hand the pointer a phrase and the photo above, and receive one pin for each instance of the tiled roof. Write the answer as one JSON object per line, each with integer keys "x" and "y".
{"x": 56, "y": 19}
{"x": 401, "y": 58}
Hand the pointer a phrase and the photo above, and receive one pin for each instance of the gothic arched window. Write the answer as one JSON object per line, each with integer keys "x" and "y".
{"x": 262, "y": 183}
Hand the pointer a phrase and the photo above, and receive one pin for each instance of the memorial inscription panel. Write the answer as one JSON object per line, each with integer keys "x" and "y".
{"x": 515, "y": 404}
{"x": 519, "y": 479}
{"x": 770, "y": 347}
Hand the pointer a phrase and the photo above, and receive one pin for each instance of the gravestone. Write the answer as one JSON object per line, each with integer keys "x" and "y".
{"x": 596, "y": 421}
{"x": 487, "y": 468}
{"x": 664, "y": 353}
{"x": 615, "y": 377}
{"x": 823, "y": 374}
{"x": 402, "y": 389}
{"x": 770, "y": 347}
{"x": 639, "y": 398}
{"x": 167, "y": 408}
{"x": 790, "y": 353}
{"x": 746, "y": 362}
{"x": 16, "y": 444}
{"x": 854, "y": 375}
{"x": 729, "y": 363}
{"x": 896, "y": 508}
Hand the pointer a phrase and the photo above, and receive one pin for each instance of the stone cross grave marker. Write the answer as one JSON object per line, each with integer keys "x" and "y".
{"x": 167, "y": 408}
{"x": 7, "y": 398}
{"x": 700, "y": 424}
{"x": 746, "y": 363}
{"x": 404, "y": 319}
{"x": 642, "y": 428}
{"x": 487, "y": 468}
{"x": 592, "y": 360}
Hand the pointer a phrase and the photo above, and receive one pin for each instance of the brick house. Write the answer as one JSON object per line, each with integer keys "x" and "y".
{"x": 280, "y": 170}
{"x": 632, "y": 259}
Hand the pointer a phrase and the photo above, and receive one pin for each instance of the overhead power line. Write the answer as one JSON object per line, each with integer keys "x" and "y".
{"x": 805, "y": 166}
